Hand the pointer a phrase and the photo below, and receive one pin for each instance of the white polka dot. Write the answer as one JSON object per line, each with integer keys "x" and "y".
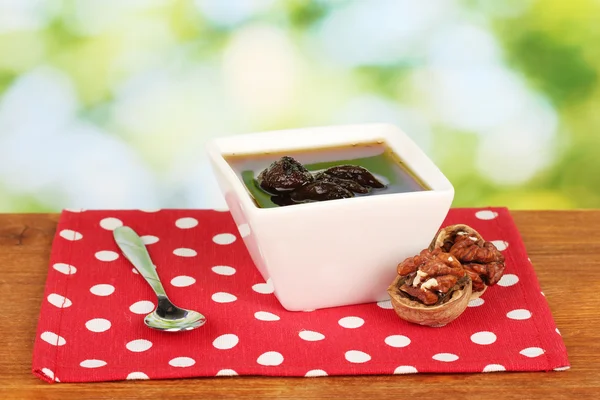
{"x": 70, "y": 235}
{"x": 222, "y": 297}
{"x": 138, "y": 345}
{"x": 486, "y": 214}
{"x": 186, "y": 223}
{"x": 405, "y": 369}
{"x": 53, "y": 339}
{"x": 65, "y": 268}
{"x": 92, "y": 363}
{"x": 226, "y": 342}
{"x": 385, "y": 304}
{"x": 357, "y": 356}
{"x": 182, "y": 362}
{"x": 142, "y": 307}
{"x": 183, "y": 252}
{"x": 59, "y": 301}
{"x": 75, "y": 210}
{"x": 508, "y": 280}
{"x": 445, "y": 357}
{"x": 182, "y": 281}
{"x": 397, "y": 341}
{"x": 244, "y": 230}
{"x": 519, "y": 314}
{"x": 476, "y": 302}
{"x": 493, "y": 368}
{"x": 264, "y": 288}
{"x": 483, "y": 338}
{"x": 265, "y": 316}
{"x": 543, "y": 294}
{"x": 226, "y": 372}
{"x": 562, "y": 368}
{"x": 150, "y": 210}
{"x": 224, "y": 238}
{"x": 102, "y": 289}
{"x": 311, "y": 336}
{"x": 270, "y": 358}
{"x": 557, "y": 331}
{"x": 48, "y": 372}
{"x": 137, "y": 375}
{"x": 149, "y": 239}
{"x": 313, "y": 373}
{"x": 223, "y": 270}
{"x": 351, "y": 322}
{"x": 500, "y": 244}
{"x": 110, "y": 224}
{"x": 98, "y": 325}
{"x": 532, "y": 352}
{"x": 106, "y": 255}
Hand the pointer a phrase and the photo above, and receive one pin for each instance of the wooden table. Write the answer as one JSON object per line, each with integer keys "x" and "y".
{"x": 563, "y": 245}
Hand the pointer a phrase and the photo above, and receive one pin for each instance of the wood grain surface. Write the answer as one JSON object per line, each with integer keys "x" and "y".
{"x": 564, "y": 247}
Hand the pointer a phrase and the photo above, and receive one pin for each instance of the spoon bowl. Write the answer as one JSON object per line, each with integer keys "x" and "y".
{"x": 167, "y": 316}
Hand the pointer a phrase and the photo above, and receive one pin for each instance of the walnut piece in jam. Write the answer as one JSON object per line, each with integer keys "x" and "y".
{"x": 355, "y": 173}
{"x": 289, "y": 182}
{"x": 348, "y": 184}
{"x": 320, "y": 191}
{"x": 284, "y": 175}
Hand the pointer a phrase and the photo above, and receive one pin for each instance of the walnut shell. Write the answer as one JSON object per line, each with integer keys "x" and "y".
{"x": 447, "y": 234}
{"x": 418, "y": 313}
{"x": 476, "y": 295}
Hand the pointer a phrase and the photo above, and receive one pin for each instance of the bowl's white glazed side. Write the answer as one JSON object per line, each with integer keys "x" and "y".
{"x": 241, "y": 218}
{"x": 348, "y": 254}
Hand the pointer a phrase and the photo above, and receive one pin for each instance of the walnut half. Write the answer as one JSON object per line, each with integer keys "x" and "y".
{"x": 434, "y": 287}
{"x": 481, "y": 260}
{"x": 431, "y": 288}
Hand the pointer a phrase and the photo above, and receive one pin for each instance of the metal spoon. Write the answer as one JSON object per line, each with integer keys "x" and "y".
{"x": 167, "y": 316}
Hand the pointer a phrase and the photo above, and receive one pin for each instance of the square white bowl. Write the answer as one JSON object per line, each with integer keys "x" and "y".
{"x": 337, "y": 252}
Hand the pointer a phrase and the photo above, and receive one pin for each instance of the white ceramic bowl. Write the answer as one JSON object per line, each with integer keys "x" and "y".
{"x": 337, "y": 252}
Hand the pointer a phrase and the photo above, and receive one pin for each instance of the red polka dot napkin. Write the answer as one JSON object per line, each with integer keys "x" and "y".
{"x": 91, "y": 321}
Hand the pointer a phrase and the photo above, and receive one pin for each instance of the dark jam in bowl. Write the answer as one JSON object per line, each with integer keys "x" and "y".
{"x": 330, "y": 168}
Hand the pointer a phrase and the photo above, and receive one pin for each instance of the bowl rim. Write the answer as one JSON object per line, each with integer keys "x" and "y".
{"x": 389, "y": 134}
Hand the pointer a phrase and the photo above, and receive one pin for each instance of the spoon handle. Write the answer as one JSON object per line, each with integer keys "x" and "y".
{"x": 135, "y": 251}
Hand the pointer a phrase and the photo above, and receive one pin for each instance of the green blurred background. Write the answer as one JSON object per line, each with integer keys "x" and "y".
{"x": 108, "y": 104}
